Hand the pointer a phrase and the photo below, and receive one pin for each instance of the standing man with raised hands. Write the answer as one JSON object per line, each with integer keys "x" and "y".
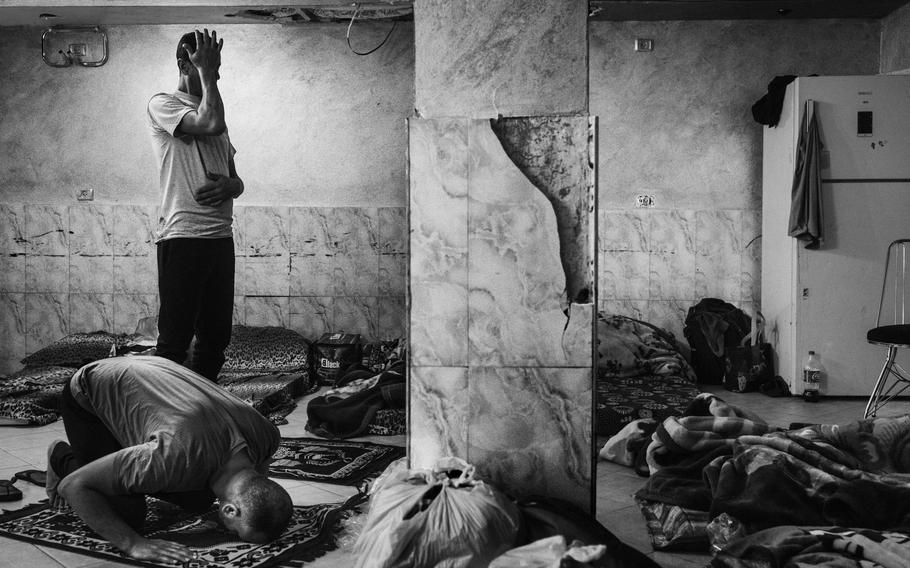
{"x": 198, "y": 183}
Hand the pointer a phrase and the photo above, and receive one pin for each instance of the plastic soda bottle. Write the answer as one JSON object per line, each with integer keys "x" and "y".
{"x": 812, "y": 377}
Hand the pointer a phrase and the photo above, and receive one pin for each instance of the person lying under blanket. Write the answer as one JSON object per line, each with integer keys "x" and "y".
{"x": 145, "y": 425}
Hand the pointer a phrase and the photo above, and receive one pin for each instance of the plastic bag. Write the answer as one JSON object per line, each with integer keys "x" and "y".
{"x": 548, "y": 553}
{"x": 444, "y": 517}
{"x": 723, "y": 530}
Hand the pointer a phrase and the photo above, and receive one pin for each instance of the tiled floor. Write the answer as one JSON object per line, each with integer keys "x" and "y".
{"x": 24, "y": 448}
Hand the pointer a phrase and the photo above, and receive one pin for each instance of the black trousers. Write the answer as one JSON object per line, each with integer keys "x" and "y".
{"x": 196, "y": 294}
{"x": 89, "y": 439}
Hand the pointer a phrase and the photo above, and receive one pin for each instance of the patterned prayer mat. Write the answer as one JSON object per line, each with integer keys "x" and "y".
{"x": 309, "y": 536}
{"x": 343, "y": 462}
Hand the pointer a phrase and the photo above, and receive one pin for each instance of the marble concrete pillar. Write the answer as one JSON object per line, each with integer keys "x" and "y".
{"x": 502, "y": 256}
{"x": 501, "y": 361}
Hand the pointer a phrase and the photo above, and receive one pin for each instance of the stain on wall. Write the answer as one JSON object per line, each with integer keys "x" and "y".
{"x": 545, "y": 149}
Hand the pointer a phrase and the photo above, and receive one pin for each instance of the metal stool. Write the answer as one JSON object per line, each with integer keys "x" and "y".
{"x": 895, "y": 333}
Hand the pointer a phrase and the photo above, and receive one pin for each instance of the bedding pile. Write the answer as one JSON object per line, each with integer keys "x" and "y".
{"x": 641, "y": 374}
{"x": 266, "y": 366}
{"x": 718, "y": 458}
{"x": 30, "y": 396}
{"x": 348, "y": 409}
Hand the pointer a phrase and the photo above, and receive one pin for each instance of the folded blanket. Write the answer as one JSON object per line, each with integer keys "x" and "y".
{"x": 708, "y": 423}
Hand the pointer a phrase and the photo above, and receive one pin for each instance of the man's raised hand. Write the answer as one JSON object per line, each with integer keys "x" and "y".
{"x": 207, "y": 55}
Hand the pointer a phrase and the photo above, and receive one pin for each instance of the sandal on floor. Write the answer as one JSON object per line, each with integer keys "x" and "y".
{"x": 36, "y": 476}
{"x": 9, "y": 492}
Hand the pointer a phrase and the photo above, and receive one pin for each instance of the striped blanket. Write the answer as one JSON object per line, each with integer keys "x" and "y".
{"x": 708, "y": 423}
{"x": 723, "y": 459}
{"x": 835, "y": 547}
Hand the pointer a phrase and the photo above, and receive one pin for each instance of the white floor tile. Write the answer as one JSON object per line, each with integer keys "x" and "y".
{"x": 74, "y": 560}
{"x": 8, "y": 460}
{"x": 18, "y": 554}
{"x": 25, "y": 448}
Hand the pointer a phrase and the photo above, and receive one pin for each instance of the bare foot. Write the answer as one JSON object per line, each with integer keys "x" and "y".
{"x": 54, "y": 499}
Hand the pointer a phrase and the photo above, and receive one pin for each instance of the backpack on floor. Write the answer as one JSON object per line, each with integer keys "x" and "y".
{"x": 711, "y": 326}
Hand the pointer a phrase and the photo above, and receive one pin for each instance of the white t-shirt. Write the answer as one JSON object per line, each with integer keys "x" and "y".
{"x": 181, "y": 170}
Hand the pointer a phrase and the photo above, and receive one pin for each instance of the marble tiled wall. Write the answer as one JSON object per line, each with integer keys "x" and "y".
{"x": 500, "y": 374}
{"x": 655, "y": 264}
{"x": 88, "y": 267}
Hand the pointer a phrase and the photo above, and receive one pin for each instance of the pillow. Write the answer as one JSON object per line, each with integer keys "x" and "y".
{"x": 618, "y": 346}
{"x": 76, "y": 349}
{"x": 268, "y": 349}
{"x": 627, "y": 347}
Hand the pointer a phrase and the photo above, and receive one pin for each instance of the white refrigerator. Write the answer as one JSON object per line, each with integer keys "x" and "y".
{"x": 827, "y": 299}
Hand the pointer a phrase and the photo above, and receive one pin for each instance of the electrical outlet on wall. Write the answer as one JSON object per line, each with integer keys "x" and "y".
{"x": 85, "y": 194}
{"x": 644, "y": 44}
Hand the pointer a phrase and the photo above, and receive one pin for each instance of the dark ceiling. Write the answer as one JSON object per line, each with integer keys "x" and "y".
{"x": 630, "y": 10}
{"x": 73, "y": 12}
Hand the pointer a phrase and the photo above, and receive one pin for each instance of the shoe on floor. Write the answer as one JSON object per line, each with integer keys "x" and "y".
{"x": 8, "y": 491}
{"x": 36, "y": 476}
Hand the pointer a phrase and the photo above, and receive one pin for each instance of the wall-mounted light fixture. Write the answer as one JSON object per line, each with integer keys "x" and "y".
{"x": 63, "y": 46}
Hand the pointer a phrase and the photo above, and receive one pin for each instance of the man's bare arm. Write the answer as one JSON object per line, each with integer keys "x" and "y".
{"x": 87, "y": 489}
{"x": 219, "y": 188}
{"x": 208, "y": 119}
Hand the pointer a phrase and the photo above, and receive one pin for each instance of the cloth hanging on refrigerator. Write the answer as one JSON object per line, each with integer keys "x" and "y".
{"x": 767, "y": 109}
{"x": 806, "y": 216}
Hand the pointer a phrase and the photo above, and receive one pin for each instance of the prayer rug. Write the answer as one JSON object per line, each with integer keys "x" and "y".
{"x": 342, "y": 462}
{"x": 310, "y": 535}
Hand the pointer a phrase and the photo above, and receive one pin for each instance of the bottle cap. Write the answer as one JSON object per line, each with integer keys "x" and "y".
{"x": 811, "y": 352}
